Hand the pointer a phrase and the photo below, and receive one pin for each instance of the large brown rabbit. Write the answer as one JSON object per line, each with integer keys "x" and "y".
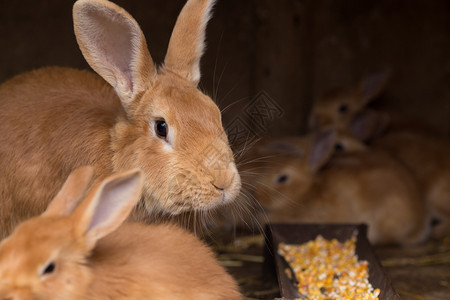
{"x": 78, "y": 251}
{"x": 301, "y": 181}
{"x": 56, "y": 119}
{"x": 424, "y": 152}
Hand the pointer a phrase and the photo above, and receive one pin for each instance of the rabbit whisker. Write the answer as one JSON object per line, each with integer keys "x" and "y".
{"x": 215, "y": 89}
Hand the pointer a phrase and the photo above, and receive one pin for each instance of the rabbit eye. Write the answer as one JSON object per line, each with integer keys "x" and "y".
{"x": 282, "y": 178}
{"x": 50, "y": 268}
{"x": 161, "y": 129}
{"x": 338, "y": 147}
{"x": 343, "y": 108}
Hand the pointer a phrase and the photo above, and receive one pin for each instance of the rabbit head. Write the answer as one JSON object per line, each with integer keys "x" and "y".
{"x": 340, "y": 107}
{"x": 48, "y": 255}
{"x": 289, "y": 168}
{"x": 169, "y": 129}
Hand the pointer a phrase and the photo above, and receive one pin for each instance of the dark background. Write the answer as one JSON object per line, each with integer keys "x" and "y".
{"x": 289, "y": 50}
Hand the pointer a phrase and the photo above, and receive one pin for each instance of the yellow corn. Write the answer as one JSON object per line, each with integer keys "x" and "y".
{"x": 329, "y": 270}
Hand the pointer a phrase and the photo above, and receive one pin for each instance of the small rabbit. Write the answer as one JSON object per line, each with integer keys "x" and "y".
{"x": 424, "y": 152}
{"x": 83, "y": 252}
{"x": 347, "y": 110}
{"x": 340, "y": 108}
{"x": 134, "y": 116}
{"x": 302, "y": 179}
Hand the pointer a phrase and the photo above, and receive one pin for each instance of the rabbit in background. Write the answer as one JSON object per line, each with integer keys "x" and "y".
{"x": 79, "y": 249}
{"x": 304, "y": 179}
{"x": 342, "y": 108}
{"x": 420, "y": 149}
{"x": 349, "y": 110}
{"x": 428, "y": 159}
{"x": 133, "y": 115}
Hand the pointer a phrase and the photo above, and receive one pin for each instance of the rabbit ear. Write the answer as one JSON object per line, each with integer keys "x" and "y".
{"x": 114, "y": 46}
{"x": 374, "y": 85}
{"x": 71, "y": 193}
{"x": 105, "y": 209}
{"x": 321, "y": 149}
{"x": 369, "y": 124}
{"x": 187, "y": 42}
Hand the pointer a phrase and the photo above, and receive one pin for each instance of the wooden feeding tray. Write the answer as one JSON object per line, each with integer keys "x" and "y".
{"x": 302, "y": 233}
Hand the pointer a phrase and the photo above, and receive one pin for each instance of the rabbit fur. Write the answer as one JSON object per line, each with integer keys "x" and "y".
{"x": 302, "y": 179}
{"x": 415, "y": 144}
{"x": 134, "y": 115}
{"x": 83, "y": 251}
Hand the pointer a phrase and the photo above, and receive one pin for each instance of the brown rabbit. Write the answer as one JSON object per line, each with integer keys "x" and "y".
{"x": 428, "y": 158}
{"x": 424, "y": 152}
{"x": 56, "y": 119}
{"x": 303, "y": 181}
{"x": 340, "y": 108}
{"x": 348, "y": 110}
{"x": 79, "y": 251}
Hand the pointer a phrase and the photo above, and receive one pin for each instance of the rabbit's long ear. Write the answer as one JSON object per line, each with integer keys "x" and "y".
{"x": 114, "y": 46}
{"x": 369, "y": 124}
{"x": 187, "y": 42}
{"x": 373, "y": 85}
{"x": 321, "y": 149}
{"x": 71, "y": 193}
{"x": 109, "y": 204}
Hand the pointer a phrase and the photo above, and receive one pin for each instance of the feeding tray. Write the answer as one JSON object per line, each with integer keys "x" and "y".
{"x": 302, "y": 233}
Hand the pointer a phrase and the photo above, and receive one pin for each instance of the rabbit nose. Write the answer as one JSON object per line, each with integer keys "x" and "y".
{"x": 222, "y": 177}
{"x": 221, "y": 183}
{"x": 221, "y": 190}
{"x": 218, "y": 188}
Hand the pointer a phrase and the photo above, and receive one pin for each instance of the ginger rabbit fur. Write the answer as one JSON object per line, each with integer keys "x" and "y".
{"x": 301, "y": 179}
{"x": 85, "y": 252}
{"x": 133, "y": 115}
{"x": 415, "y": 144}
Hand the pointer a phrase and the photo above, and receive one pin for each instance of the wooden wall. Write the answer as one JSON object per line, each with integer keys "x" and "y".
{"x": 267, "y": 60}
